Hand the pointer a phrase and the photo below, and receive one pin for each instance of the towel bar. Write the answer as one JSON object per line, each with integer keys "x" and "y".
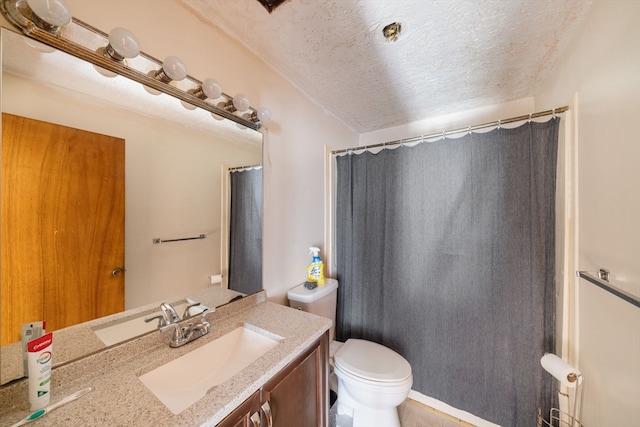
{"x": 158, "y": 241}
{"x": 602, "y": 280}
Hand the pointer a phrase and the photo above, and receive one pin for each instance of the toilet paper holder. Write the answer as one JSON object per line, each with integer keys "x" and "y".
{"x": 572, "y": 379}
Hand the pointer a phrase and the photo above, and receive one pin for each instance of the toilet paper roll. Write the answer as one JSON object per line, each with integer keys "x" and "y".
{"x": 561, "y": 370}
{"x": 216, "y": 279}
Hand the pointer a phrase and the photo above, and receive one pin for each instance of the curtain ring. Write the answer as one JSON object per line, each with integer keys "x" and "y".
{"x": 469, "y": 130}
{"x": 529, "y": 121}
{"x": 554, "y": 113}
{"x": 443, "y": 135}
{"x": 499, "y": 123}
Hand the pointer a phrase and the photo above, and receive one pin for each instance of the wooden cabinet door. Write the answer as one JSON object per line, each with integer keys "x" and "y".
{"x": 245, "y": 415}
{"x": 298, "y": 396}
{"x": 62, "y": 230}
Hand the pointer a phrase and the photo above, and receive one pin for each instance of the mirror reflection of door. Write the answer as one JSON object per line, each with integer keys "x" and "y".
{"x": 62, "y": 237}
{"x": 245, "y": 230}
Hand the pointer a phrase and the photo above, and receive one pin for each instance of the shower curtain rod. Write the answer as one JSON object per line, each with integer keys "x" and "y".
{"x": 243, "y": 168}
{"x": 443, "y": 134}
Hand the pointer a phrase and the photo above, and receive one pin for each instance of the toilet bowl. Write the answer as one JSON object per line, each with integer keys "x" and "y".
{"x": 372, "y": 381}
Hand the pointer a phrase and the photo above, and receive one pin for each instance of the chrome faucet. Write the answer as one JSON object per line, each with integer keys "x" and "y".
{"x": 168, "y": 315}
{"x": 190, "y": 332}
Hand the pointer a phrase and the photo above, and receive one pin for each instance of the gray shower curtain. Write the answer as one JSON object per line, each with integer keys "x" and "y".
{"x": 245, "y": 234}
{"x": 445, "y": 253}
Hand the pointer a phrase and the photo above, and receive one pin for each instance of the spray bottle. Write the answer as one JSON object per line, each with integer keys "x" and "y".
{"x": 316, "y": 268}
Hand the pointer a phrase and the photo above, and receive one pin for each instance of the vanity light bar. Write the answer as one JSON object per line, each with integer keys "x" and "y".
{"x": 87, "y": 42}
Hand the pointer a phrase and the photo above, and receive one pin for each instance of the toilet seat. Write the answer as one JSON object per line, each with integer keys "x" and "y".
{"x": 372, "y": 362}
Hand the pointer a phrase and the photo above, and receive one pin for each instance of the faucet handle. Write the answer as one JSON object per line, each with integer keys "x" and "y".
{"x": 186, "y": 310}
{"x": 204, "y": 314}
{"x": 160, "y": 317}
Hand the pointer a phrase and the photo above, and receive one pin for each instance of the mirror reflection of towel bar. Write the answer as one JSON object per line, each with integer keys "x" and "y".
{"x": 158, "y": 241}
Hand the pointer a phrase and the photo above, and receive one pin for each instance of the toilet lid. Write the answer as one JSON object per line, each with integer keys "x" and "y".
{"x": 372, "y": 361}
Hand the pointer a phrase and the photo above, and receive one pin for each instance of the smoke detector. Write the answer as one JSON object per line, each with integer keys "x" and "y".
{"x": 392, "y": 31}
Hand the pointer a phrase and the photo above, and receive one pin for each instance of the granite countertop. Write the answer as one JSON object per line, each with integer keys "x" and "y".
{"x": 119, "y": 398}
{"x": 77, "y": 341}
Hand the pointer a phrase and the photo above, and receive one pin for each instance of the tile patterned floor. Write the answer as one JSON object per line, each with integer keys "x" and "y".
{"x": 415, "y": 414}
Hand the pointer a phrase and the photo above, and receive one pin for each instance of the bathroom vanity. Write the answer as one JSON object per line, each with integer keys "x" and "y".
{"x": 296, "y": 396}
{"x": 288, "y": 383}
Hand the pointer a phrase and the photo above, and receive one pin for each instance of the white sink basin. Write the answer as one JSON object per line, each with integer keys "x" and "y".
{"x": 137, "y": 326}
{"x": 185, "y": 380}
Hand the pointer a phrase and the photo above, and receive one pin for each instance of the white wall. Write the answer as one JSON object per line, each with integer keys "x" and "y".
{"x": 294, "y": 139}
{"x": 600, "y": 76}
{"x": 462, "y": 119}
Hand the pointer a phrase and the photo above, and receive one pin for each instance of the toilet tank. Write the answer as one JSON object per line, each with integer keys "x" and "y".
{"x": 321, "y": 301}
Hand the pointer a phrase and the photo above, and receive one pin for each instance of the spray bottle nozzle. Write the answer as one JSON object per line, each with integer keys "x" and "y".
{"x": 314, "y": 251}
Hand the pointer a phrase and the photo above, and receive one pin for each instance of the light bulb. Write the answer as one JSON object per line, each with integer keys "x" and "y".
{"x": 264, "y": 114}
{"x": 212, "y": 88}
{"x": 54, "y": 12}
{"x": 105, "y": 72}
{"x": 123, "y": 43}
{"x": 174, "y": 68}
{"x": 151, "y": 90}
{"x": 188, "y": 106}
{"x": 241, "y": 102}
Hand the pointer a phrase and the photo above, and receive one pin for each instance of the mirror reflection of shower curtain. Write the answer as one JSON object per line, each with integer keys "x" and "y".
{"x": 452, "y": 243}
{"x": 245, "y": 234}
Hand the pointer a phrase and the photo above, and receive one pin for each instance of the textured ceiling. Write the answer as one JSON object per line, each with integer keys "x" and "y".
{"x": 452, "y": 55}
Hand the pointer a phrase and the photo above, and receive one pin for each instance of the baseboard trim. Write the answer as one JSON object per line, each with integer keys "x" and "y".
{"x": 446, "y": 411}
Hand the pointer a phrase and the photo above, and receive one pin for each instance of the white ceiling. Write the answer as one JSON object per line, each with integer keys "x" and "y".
{"x": 452, "y": 55}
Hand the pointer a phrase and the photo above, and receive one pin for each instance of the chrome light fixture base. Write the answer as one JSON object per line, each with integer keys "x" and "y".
{"x": 88, "y": 43}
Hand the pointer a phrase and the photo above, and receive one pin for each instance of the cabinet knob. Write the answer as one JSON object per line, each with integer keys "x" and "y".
{"x": 266, "y": 409}
{"x": 116, "y": 272}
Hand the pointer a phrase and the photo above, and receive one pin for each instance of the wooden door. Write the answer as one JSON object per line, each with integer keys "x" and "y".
{"x": 62, "y": 233}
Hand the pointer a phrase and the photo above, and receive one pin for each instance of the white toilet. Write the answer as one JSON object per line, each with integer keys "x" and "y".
{"x": 372, "y": 379}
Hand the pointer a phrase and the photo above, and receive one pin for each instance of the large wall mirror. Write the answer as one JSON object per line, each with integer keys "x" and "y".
{"x": 176, "y": 184}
